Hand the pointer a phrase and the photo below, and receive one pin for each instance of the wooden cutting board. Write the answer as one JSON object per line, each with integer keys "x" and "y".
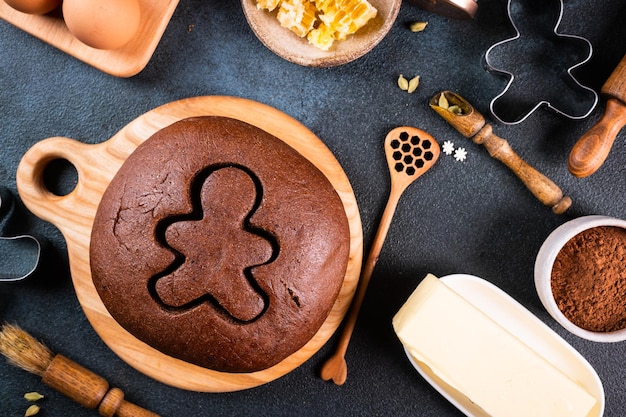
{"x": 96, "y": 165}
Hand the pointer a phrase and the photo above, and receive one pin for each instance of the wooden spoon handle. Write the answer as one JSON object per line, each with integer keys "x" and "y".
{"x": 541, "y": 186}
{"x": 592, "y": 149}
{"x": 368, "y": 269}
{"x": 335, "y": 367}
{"x": 89, "y": 389}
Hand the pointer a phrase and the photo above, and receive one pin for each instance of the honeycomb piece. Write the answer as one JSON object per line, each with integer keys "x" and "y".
{"x": 322, "y": 37}
{"x": 345, "y": 16}
{"x": 342, "y": 18}
{"x": 321, "y": 21}
{"x": 267, "y": 4}
{"x": 297, "y": 16}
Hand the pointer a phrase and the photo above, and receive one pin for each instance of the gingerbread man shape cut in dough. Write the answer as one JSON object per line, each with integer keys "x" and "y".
{"x": 226, "y": 200}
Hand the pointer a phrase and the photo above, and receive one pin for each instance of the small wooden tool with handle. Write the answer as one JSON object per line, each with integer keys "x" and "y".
{"x": 467, "y": 121}
{"x": 410, "y": 152}
{"x": 592, "y": 149}
{"x": 64, "y": 375}
{"x": 89, "y": 390}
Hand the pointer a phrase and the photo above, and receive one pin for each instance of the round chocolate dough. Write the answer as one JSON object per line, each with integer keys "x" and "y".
{"x": 218, "y": 244}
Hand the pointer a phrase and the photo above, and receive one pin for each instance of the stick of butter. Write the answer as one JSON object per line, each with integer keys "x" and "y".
{"x": 477, "y": 357}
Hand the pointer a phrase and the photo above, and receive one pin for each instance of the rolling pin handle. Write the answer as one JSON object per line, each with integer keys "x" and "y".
{"x": 592, "y": 149}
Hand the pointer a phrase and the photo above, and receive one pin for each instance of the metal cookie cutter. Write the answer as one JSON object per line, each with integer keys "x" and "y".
{"x": 539, "y": 63}
{"x": 19, "y": 255}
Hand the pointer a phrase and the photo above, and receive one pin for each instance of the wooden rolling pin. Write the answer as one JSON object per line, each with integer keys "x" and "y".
{"x": 592, "y": 149}
{"x": 470, "y": 123}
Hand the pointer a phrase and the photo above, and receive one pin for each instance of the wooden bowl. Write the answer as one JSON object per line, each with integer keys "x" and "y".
{"x": 97, "y": 164}
{"x": 293, "y": 48}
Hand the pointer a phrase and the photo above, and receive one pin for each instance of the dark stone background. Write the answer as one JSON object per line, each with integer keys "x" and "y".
{"x": 470, "y": 217}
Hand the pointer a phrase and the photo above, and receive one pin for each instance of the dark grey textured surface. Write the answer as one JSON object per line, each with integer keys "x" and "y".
{"x": 470, "y": 217}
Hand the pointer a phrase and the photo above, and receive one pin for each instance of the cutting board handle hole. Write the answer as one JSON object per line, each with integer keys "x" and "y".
{"x": 60, "y": 177}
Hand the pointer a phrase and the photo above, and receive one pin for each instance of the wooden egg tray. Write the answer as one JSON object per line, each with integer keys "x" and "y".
{"x": 97, "y": 164}
{"x": 122, "y": 62}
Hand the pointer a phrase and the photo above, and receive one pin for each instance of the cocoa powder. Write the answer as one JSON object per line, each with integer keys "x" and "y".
{"x": 589, "y": 279}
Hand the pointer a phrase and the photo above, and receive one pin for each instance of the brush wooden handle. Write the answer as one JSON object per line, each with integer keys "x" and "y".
{"x": 541, "y": 186}
{"x": 89, "y": 390}
{"x": 113, "y": 404}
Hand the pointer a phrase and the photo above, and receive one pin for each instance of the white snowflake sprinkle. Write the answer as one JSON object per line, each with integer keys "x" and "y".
{"x": 460, "y": 154}
{"x": 448, "y": 147}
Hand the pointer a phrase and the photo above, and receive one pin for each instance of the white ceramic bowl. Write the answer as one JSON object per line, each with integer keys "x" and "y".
{"x": 543, "y": 272}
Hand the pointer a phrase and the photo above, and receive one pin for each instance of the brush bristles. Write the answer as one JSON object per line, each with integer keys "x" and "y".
{"x": 23, "y": 350}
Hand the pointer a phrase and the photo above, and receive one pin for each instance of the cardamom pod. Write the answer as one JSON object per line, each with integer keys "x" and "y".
{"x": 418, "y": 26}
{"x": 455, "y": 109}
{"x": 32, "y": 410}
{"x": 413, "y": 83}
{"x": 443, "y": 101}
{"x": 403, "y": 83}
{"x": 33, "y": 396}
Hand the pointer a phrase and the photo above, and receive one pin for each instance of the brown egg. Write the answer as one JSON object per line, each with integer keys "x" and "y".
{"x": 34, "y": 6}
{"x": 102, "y": 24}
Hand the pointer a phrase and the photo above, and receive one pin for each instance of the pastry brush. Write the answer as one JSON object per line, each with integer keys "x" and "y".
{"x": 67, "y": 377}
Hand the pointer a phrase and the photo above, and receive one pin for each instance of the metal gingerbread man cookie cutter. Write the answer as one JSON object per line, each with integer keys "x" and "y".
{"x": 19, "y": 255}
{"x": 539, "y": 62}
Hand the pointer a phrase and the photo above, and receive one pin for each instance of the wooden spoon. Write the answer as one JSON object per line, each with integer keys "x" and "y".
{"x": 410, "y": 152}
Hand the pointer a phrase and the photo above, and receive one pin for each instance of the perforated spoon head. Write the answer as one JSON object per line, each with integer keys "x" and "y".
{"x": 410, "y": 152}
